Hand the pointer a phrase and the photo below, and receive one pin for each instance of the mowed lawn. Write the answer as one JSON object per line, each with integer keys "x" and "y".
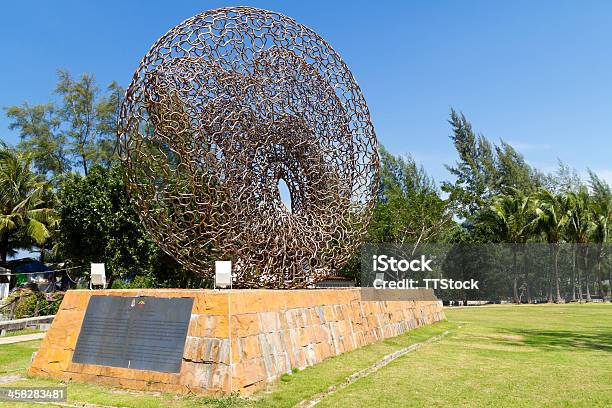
{"x": 501, "y": 356}
{"x": 494, "y": 356}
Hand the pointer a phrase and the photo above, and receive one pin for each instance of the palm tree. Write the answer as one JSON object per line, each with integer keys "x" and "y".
{"x": 579, "y": 229}
{"x": 24, "y": 214}
{"x": 552, "y": 218}
{"x": 601, "y": 208}
{"x": 513, "y": 216}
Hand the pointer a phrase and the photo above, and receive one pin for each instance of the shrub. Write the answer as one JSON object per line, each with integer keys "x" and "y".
{"x": 30, "y": 303}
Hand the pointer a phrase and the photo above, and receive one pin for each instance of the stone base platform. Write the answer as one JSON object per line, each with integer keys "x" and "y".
{"x": 240, "y": 340}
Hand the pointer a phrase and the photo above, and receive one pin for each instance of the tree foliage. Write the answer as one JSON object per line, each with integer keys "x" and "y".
{"x": 501, "y": 198}
{"x": 39, "y": 134}
{"x": 483, "y": 170}
{"x": 409, "y": 209}
{"x": 26, "y": 216}
{"x": 74, "y": 134}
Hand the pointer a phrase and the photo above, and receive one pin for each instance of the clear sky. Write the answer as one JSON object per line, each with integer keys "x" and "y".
{"x": 534, "y": 73}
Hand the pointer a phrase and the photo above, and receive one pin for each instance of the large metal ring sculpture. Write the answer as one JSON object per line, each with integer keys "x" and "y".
{"x": 222, "y": 110}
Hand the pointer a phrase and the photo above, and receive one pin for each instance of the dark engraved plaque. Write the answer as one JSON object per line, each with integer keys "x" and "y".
{"x": 103, "y": 335}
{"x": 143, "y": 333}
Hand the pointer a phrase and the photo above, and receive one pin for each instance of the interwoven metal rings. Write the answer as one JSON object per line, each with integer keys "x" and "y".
{"x": 223, "y": 108}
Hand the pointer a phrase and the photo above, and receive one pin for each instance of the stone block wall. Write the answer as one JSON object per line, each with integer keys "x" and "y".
{"x": 241, "y": 340}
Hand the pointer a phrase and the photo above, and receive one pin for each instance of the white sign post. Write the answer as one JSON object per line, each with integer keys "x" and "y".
{"x": 223, "y": 274}
{"x": 98, "y": 275}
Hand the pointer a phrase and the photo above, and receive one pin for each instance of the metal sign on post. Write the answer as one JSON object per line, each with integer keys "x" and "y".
{"x": 223, "y": 274}
{"x": 98, "y": 275}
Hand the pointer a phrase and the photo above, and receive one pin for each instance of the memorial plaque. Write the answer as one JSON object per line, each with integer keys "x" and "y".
{"x": 143, "y": 333}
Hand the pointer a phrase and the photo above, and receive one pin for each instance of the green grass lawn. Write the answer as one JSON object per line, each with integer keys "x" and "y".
{"x": 15, "y": 357}
{"x": 549, "y": 355}
{"x": 502, "y": 356}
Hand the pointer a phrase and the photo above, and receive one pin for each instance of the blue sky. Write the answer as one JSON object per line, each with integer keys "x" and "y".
{"x": 536, "y": 74}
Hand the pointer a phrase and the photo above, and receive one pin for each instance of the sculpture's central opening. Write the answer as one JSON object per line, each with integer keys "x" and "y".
{"x": 285, "y": 194}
